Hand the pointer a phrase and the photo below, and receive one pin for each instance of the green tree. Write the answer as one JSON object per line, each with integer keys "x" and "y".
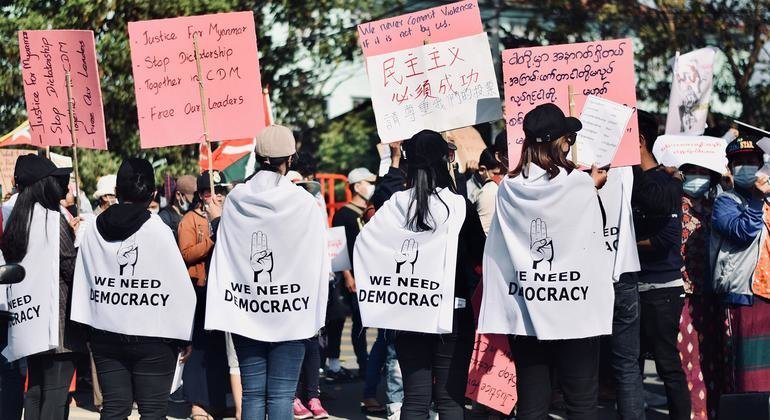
{"x": 300, "y": 45}
{"x": 350, "y": 141}
{"x": 663, "y": 27}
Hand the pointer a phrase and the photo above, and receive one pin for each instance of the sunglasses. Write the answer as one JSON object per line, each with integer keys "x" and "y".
{"x": 218, "y": 190}
{"x": 451, "y": 156}
{"x": 571, "y": 138}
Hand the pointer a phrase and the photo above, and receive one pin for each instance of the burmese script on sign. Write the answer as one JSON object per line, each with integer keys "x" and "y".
{"x": 46, "y": 56}
{"x": 166, "y": 79}
{"x": 533, "y": 76}
{"x": 439, "y": 86}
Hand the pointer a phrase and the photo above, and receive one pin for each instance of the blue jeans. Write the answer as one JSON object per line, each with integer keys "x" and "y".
{"x": 269, "y": 375}
{"x": 374, "y": 364}
{"x": 394, "y": 385}
{"x": 625, "y": 352}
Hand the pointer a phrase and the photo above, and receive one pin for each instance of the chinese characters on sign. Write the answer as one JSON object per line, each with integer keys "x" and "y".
{"x": 166, "y": 79}
{"x": 438, "y": 86}
{"x": 533, "y": 76}
{"x": 45, "y": 58}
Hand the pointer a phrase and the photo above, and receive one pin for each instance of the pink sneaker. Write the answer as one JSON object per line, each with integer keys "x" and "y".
{"x": 317, "y": 409}
{"x": 300, "y": 411}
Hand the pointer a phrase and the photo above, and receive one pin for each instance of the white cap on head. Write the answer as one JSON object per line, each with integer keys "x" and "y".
{"x": 275, "y": 141}
{"x": 105, "y": 186}
{"x": 361, "y": 174}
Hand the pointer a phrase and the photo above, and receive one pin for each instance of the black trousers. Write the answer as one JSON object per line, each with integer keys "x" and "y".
{"x": 308, "y": 386}
{"x": 434, "y": 368}
{"x": 334, "y": 329}
{"x": 577, "y": 370}
{"x": 660, "y": 313}
{"x": 50, "y": 376}
{"x": 133, "y": 370}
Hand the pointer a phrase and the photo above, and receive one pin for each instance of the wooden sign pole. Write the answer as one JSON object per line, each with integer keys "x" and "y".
{"x": 203, "y": 113}
{"x": 571, "y": 96}
{"x": 71, "y": 110}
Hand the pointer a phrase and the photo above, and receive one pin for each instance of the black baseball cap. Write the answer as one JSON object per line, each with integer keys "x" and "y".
{"x": 547, "y": 123}
{"x": 426, "y": 148}
{"x": 204, "y": 183}
{"x": 32, "y": 168}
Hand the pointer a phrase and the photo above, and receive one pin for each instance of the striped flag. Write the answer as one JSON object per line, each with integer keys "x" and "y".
{"x": 235, "y": 158}
{"x": 20, "y": 135}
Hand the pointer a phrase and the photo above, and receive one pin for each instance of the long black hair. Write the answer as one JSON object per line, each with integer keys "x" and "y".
{"x": 428, "y": 169}
{"x": 47, "y": 192}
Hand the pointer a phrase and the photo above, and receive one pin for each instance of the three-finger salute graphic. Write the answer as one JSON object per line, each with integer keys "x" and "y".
{"x": 261, "y": 256}
{"x": 128, "y": 253}
{"x": 541, "y": 246}
{"x": 408, "y": 254}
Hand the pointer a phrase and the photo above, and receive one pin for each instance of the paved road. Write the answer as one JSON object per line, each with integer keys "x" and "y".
{"x": 342, "y": 400}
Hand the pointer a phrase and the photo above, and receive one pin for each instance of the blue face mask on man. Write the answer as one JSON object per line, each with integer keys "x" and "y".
{"x": 696, "y": 186}
{"x": 745, "y": 175}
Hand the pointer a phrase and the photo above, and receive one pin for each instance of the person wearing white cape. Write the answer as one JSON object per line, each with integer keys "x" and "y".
{"x": 39, "y": 238}
{"x": 428, "y": 239}
{"x": 268, "y": 279}
{"x": 132, "y": 288}
{"x": 547, "y": 278}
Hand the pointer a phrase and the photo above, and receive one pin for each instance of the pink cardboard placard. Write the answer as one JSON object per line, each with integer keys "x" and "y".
{"x": 492, "y": 371}
{"x": 533, "y": 76}
{"x": 45, "y": 58}
{"x": 442, "y": 23}
{"x": 166, "y": 79}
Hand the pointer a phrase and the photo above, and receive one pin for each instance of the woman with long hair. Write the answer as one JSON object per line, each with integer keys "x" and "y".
{"x": 547, "y": 280}
{"x": 438, "y": 240}
{"x": 35, "y": 230}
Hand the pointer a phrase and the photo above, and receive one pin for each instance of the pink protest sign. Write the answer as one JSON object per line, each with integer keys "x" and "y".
{"x": 442, "y": 23}
{"x": 492, "y": 373}
{"x": 45, "y": 58}
{"x": 533, "y": 76}
{"x": 166, "y": 79}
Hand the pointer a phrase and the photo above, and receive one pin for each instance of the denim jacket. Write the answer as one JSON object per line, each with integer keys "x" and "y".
{"x": 736, "y": 234}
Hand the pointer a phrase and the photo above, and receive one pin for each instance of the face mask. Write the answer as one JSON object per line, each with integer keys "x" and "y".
{"x": 745, "y": 175}
{"x": 184, "y": 206}
{"x": 696, "y": 185}
{"x": 368, "y": 192}
{"x": 163, "y": 202}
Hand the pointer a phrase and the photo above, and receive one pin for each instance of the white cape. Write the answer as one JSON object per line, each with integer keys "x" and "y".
{"x": 546, "y": 273}
{"x": 619, "y": 233}
{"x": 139, "y": 286}
{"x": 269, "y": 274}
{"x": 35, "y": 301}
{"x": 406, "y": 279}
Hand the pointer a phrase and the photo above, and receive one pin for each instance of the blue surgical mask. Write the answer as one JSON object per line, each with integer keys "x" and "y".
{"x": 745, "y": 175}
{"x": 696, "y": 186}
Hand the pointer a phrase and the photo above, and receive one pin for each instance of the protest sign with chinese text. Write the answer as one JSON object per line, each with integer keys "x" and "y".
{"x": 438, "y": 86}
{"x": 46, "y": 56}
{"x": 442, "y": 23}
{"x": 533, "y": 76}
{"x": 691, "y": 87}
{"x": 166, "y": 82}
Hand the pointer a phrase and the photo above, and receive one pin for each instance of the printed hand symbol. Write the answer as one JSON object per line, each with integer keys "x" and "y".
{"x": 408, "y": 253}
{"x": 261, "y": 256}
{"x": 541, "y": 246}
{"x": 128, "y": 253}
